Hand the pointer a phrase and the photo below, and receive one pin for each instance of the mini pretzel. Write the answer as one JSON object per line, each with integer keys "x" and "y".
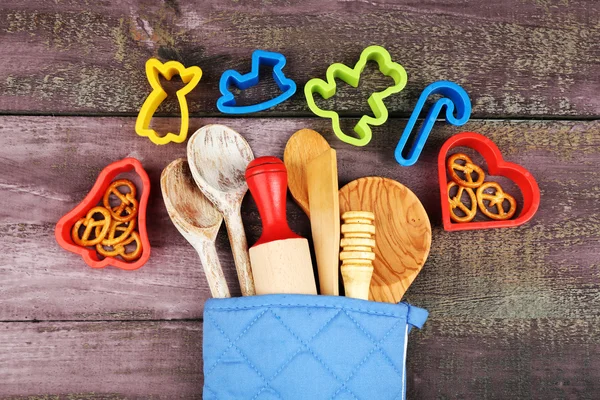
{"x": 128, "y": 205}
{"x": 456, "y": 202}
{"x": 497, "y": 199}
{"x": 119, "y": 249}
{"x": 101, "y": 225}
{"x": 468, "y": 168}
{"x": 117, "y": 226}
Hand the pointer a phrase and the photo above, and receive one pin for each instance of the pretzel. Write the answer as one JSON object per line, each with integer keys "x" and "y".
{"x": 497, "y": 200}
{"x": 117, "y": 226}
{"x": 468, "y": 168}
{"x": 119, "y": 249}
{"x": 101, "y": 225}
{"x": 456, "y": 202}
{"x": 128, "y": 204}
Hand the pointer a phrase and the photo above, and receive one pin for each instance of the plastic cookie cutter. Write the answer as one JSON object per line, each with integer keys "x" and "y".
{"x": 62, "y": 231}
{"x": 226, "y": 103}
{"x": 455, "y": 98}
{"x": 496, "y": 166}
{"x": 352, "y": 76}
{"x": 154, "y": 68}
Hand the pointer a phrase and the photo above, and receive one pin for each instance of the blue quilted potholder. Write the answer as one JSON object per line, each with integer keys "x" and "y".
{"x": 306, "y": 347}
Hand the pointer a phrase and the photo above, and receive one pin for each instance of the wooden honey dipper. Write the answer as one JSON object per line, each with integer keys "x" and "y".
{"x": 357, "y": 252}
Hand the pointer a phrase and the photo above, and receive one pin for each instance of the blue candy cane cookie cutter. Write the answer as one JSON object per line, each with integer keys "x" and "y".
{"x": 226, "y": 103}
{"x": 454, "y": 98}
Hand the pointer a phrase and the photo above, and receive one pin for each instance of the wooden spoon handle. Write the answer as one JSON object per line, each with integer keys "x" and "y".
{"x": 239, "y": 248}
{"x": 207, "y": 252}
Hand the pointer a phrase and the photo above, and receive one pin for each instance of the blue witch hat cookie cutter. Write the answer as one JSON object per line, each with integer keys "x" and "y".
{"x": 227, "y": 104}
{"x": 454, "y": 98}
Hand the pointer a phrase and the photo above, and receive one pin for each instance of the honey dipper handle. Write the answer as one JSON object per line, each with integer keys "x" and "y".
{"x": 267, "y": 181}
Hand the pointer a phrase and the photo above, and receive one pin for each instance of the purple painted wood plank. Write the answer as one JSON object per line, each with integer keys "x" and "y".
{"x": 515, "y": 58}
{"x": 469, "y": 357}
{"x": 486, "y": 358}
{"x": 100, "y": 360}
{"x": 544, "y": 269}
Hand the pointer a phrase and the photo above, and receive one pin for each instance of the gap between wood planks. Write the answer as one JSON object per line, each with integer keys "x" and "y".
{"x": 262, "y": 115}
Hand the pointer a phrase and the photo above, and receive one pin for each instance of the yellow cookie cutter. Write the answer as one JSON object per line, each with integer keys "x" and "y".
{"x": 154, "y": 68}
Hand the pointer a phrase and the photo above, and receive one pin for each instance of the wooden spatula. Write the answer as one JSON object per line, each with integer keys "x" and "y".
{"x": 403, "y": 233}
{"x": 301, "y": 148}
{"x": 280, "y": 259}
{"x": 323, "y": 199}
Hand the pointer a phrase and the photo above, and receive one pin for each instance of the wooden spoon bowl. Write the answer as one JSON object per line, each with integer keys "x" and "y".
{"x": 196, "y": 219}
{"x": 402, "y": 233}
{"x": 218, "y": 157}
{"x": 301, "y": 148}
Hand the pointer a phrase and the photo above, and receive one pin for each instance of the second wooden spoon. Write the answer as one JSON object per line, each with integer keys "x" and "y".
{"x": 218, "y": 158}
{"x": 196, "y": 219}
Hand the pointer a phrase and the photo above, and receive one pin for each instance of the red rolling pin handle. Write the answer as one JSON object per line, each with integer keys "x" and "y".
{"x": 267, "y": 180}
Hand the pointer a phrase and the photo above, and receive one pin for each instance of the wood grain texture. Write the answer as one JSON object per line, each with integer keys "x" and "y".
{"x": 324, "y": 203}
{"x": 489, "y": 358}
{"x": 218, "y": 157}
{"x": 196, "y": 218}
{"x": 357, "y": 253}
{"x": 101, "y": 360}
{"x": 301, "y": 148}
{"x": 512, "y": 311}
{"x": 402, "y": 233}
{"x": 515, "y": 58}
{"x": 467, "y": 357}
{"x": 49, "y": 164}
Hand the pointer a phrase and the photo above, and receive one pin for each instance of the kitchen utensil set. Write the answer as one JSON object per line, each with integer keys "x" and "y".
{"x": 222, "y": 167}
{"x": 210, "y": 189}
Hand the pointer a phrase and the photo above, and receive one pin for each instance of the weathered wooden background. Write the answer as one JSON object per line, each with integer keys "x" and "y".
{"x": 514, "y": 313}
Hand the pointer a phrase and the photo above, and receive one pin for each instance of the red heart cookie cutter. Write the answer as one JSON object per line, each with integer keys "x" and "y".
{"x": 496, "y": 166}
{"x": 108, "y": 174}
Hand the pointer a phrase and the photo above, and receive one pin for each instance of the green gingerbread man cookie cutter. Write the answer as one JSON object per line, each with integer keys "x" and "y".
{"x": 352, "y": 76}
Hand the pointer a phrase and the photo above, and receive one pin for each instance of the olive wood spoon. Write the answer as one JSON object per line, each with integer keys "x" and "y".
{"x": 196, "y": 219}
{"x": 218, "y": 157}
{"x": 402, "y": 233}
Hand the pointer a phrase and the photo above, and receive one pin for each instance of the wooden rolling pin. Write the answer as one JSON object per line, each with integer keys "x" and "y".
{"x": 280, "y": 259}
{"x": 357, "y": 253}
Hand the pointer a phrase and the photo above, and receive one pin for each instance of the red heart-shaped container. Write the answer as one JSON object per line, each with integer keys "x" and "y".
{"x": 496, "y": 166}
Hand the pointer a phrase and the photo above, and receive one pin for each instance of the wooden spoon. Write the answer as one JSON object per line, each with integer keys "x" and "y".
{"x": 403, "y": 233}
{"x": 218, "y": 157}
{"x": 301, "y": 148}
{"x": 196, "y": 219}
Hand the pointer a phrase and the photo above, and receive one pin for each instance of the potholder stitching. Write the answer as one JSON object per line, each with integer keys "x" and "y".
{"x": 225, "y": 336}
{"x": 241, "y": 353}
{"x": 302, "y": 346}
{"x": 293, "y": 305}
{"x": 206, "y": 387}
{"x": 312, "y": 352}
{"x": 364, "y": 360}
{"x": 378, "y": 344}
